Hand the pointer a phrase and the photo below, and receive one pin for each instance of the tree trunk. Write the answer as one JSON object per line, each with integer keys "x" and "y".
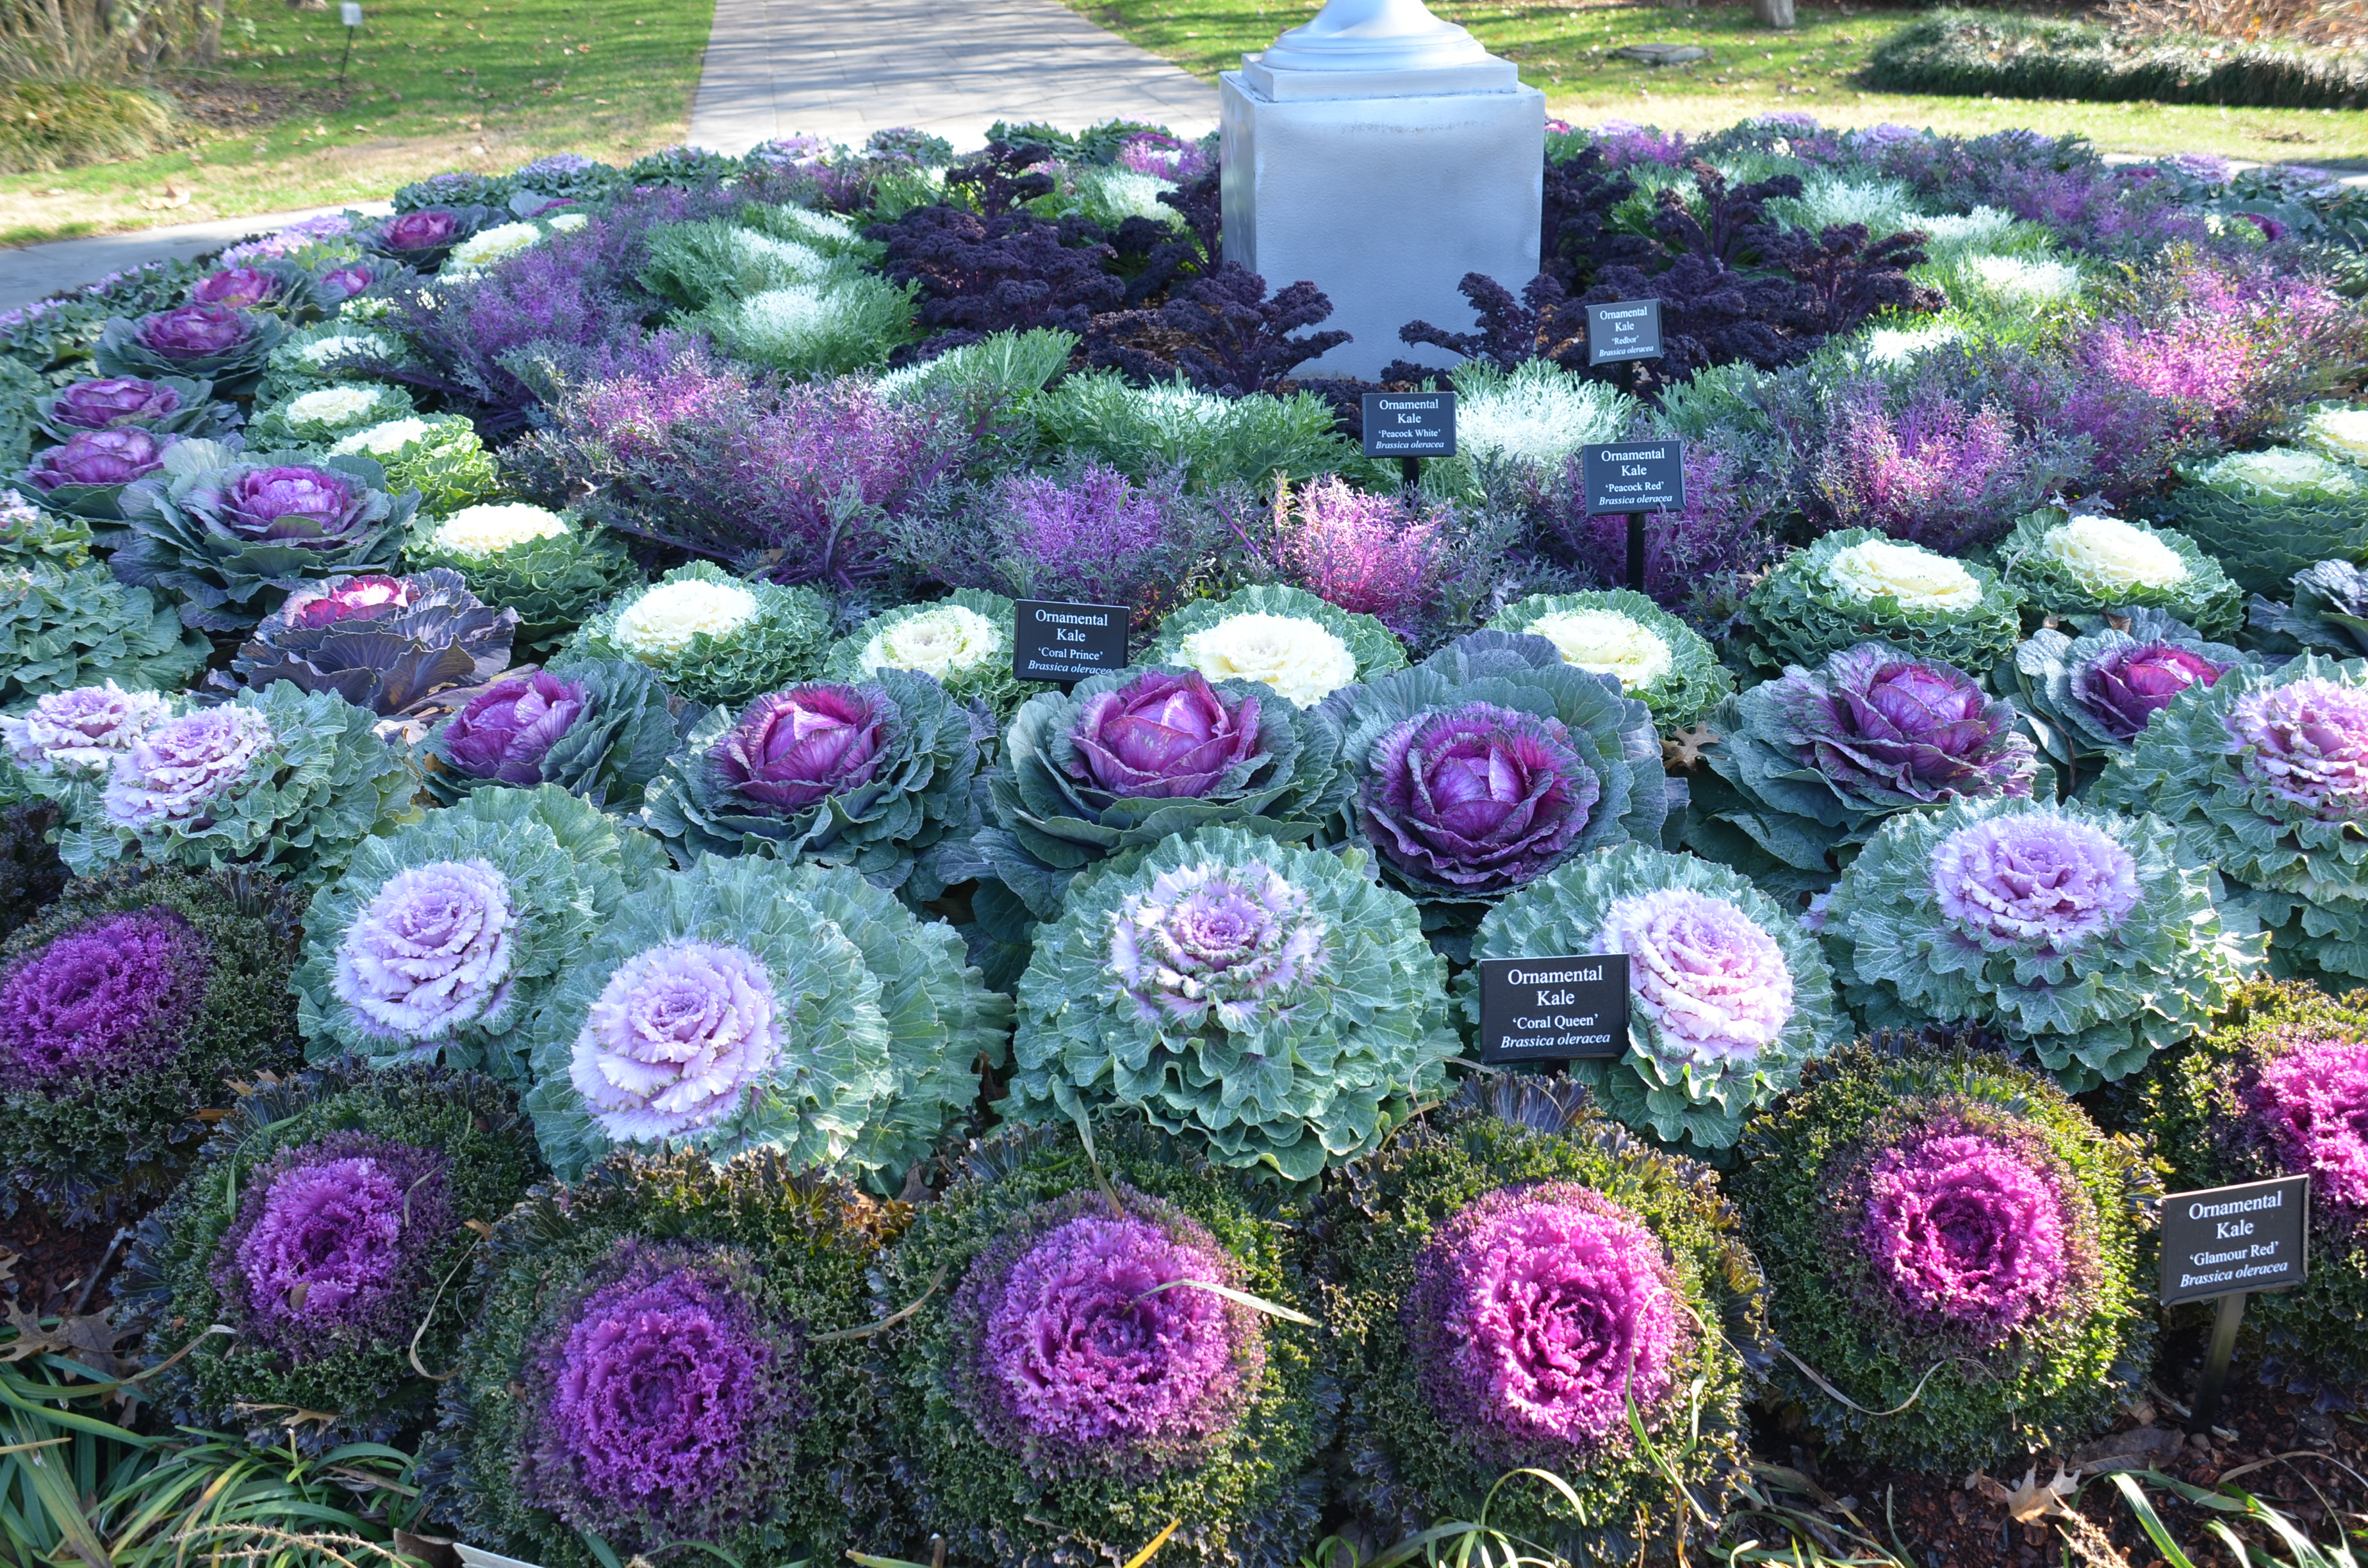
{"x": 1772, "y": 13}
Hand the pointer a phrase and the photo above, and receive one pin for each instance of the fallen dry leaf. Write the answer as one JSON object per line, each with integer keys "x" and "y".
{"x": 2029, "y": 1501}
{"x": 1684, "y": 748}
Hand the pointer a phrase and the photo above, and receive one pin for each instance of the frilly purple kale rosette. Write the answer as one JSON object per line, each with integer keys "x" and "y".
{"x": 86, "y": 474}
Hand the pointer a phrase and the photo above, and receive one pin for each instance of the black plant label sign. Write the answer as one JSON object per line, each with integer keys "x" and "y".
{"x": 1410, "y": 425}
{"x": 1626, "y": 329}
{"x": 1638, "y": 476}
{"x": 2221, "y": 1240}
{"x": 1573, "y": 1008}
{"x": 1067, "y": 642}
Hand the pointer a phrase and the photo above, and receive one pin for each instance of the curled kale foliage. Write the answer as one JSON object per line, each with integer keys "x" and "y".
{"x": 999, "y": 267}
{"x": 1220, "y": 332}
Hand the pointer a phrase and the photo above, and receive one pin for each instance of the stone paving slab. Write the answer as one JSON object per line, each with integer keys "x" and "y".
{"x": 847, "y": 68}
{"x": 29, "y": 272}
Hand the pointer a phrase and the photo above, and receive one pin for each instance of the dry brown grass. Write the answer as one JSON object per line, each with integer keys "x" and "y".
{"x": 2340, "y": 23}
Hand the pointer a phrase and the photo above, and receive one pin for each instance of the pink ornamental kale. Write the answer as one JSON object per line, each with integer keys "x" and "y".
{"x": 1873, "y": 722}
{"x": 240, "y": 288}
{"x": 798, "y": 748}
{"x": 110, "y": 998}
{"x": 649, "y": 1395}
{"x": 193, "y": 332}
{"x": 1539, "y": 1312}
{"x": 1096, "y": 1351}
{"x": 430, "y": 953}
{"x": 1096, "y": 539}
{"x": 354, "y": 599}
{"x": 1965, "y": 1228}
{"x": 1231, "y": 944}
{"x": 177, "y": 770}
{"x": 1708, "y": 976}
{"x": 1370, "y": 554}
{"x": 417, "y": 233}
{"x": 2312, "y": 1102}
{"x": 504, "y": 731}
{"x": 678, "y": 1037}
{"x": 2305, "y": 743}
{"x": 113, "y": 402}
{"x": 1934, "y": 473}
{"x": 332, "y": 1244}
{"x": 1168, "y": 157}
{"x": 1161, "y": 737}
{"x": 82, "y": 732}
{"x": 2124, "y": 688}
{"x": 2037, "y": 881}
{"x": 99, "y": 456}
{"x": 1477, "y": 800}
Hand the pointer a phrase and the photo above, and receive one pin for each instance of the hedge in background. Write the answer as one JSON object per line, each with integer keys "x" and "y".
{"x": 1979, "y": 53}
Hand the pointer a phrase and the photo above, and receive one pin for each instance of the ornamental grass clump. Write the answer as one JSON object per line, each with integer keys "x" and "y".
{"x": 555, "y": 574}
{"x": 2264, "y": 774}
{"x": 599, "y": 729}
{"x": 2279, "y": 1089}
{"x": 2266, "y": 515}
{"x": 1807, "y": 766}
{"x": 1081, "y": 1366}
{"x": 284, "y": 778}
{"x": 1657, "y": 659}
{"x": 1504, "y": 1282}
{"x": 1301, "y": 647}
{"x": 1269, "y": 1003}
{"x": 711, "y": 637}
{"x": 1951, "y": 1247}
{"x": 1728, "y": 996}
{"x": 1489, "y": 764}
{"x": 327, "y": 1225}
{"x": 232, "y": 534}
{"x": 876, "y": 777}
{"x": 60, "y": 629}
{"x": 961, "y": 642}
{"x": 440, "y": 455}
{"x": 2083, "y": 937}
{"x": 2081, "y": 564}
{"x": 660, "y": 1357}
{"x": 1122, "y": 761}
{"x": 123, "y": 1009}
{"x": 443, "y": 937}
{"x": 750, "y": 1004}
{"x": 1857, "y": 586}
{"x": 388, "y": 645}
{"x": 2086, "y": 698}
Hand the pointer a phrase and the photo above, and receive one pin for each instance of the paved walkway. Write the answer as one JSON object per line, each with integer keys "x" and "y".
{"x": 847, "y": 68}
{"x": 30, "y": 271}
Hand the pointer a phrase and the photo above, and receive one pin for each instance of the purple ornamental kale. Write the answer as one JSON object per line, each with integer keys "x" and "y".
{"x": 1478, "y": 800}
{"x": 1936, "y": 473}
{"x": 1876, "y": 723}
{"x": 193, "y": 332}
{"x": 2041, "y": 882}
{"x": 334, "y": 1244}
{"x": 1215, "y": 943}
{"x": 1370, "y": 554}
{"x": 113, "y": 403}
{"x": 2311, "y": 1103}
{"x": 99, "y": 456}
{"x": 1160, "y": 737}
{"x": 1095, "y": 538}
{"x": 503, "y": 731}
{"x": 240, "y": 288}
{"x": 432, "y": 228}
{"x": 1697, "y": 561}
{"x": 109, "y": 998}
{"x": 2128, "y": 684}
{"x": 2305, "y": 743}
{"x": 293, "y": 503}
{"x": 800, "y": 747}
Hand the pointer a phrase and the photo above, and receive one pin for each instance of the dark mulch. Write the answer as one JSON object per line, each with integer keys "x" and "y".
{"x": 53, "y": 1264}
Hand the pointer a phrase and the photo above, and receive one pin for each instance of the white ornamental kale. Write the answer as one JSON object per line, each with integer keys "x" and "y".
{"x": 2268, "y": 515}
{"x": 2088, "y": 565}
{"x": 753, "y": 1004}
{"x": 1301, "y": 645}
{"x": 711, "y": 637}
{"x": 1658, "y": 659}
{"x": 1728, "y": 996}
{"x": 2084, "y": 937}
{"x": 963, "y": 642}
{"x": 1856, "y": 586}
{"x": 1268, "y": 1003}
{"x": 442, "y": 937}
{"x": 2264, "y": 774}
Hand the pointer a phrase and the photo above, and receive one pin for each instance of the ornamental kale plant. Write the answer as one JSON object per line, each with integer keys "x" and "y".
{"x": 63, "y": 630}
{"x": 1807, "y": 765}
{"x": 1370, "y": 554}
{"x": 1269, "y": 1003}
{"x": 232, "y": 534}
{"x": 1122, "y": 761}
{"x": 172, "y": 406}
{"x": 328, "y": 414}
{"x": 442, "y": 937}
{"x": 600, "y": 729}
{"x": 1855, "y": 586}
{"x": 1657, "y": 659}
{"x": 2281, "y": 1088}
{"x": 389, "y": 644}
{"x": 1505, "y": 1278}
{"x": 1697, "y": 562}
{"x": 710, "y": 637}
{"x": 961, "y": 642}
{"x": 2329, "y": 615}
{"x": 874, "y": 776}
{"x": 280, "y": 777}
{"x": 85, "y": 475}
{"x": 650, "y": 1363}
{"x": 1071, "y": 1379}
{"x": 2089, "y": 565}
{"x": 123, "y": 1008}
{"x": 515, "y": 556}
{"x": 64, "y": 744}
{"x": 751, "y": 1003}
{"x": 423, "y": 237}
{"x": 1728, "y": 996}
{"x": 2087, "y": 698}
{"x": 33, "y": 537}
{"x": 1948, "y": 1223}
{"x": 2261, "y": 773}
{"x": 1489, "y": 764}
{"x": 439, "y": 455}
{"x": 2080, "y": 937}
{"x": 325, "y": 1223}
{"x": 1171, "y": 427}
{"x": 1932, "y": 472}
{"x": 219, "y": 343}
{"x": 1301, "y": 647}
{"x": 2268, "y": 515}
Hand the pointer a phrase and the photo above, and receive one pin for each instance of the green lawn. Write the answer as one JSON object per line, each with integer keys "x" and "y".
{"x": 1565, "y": 51}
{"x": 432, "y": 86}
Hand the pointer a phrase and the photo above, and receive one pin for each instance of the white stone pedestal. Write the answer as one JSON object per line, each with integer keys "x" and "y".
{"x": 1383, "y": 187}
